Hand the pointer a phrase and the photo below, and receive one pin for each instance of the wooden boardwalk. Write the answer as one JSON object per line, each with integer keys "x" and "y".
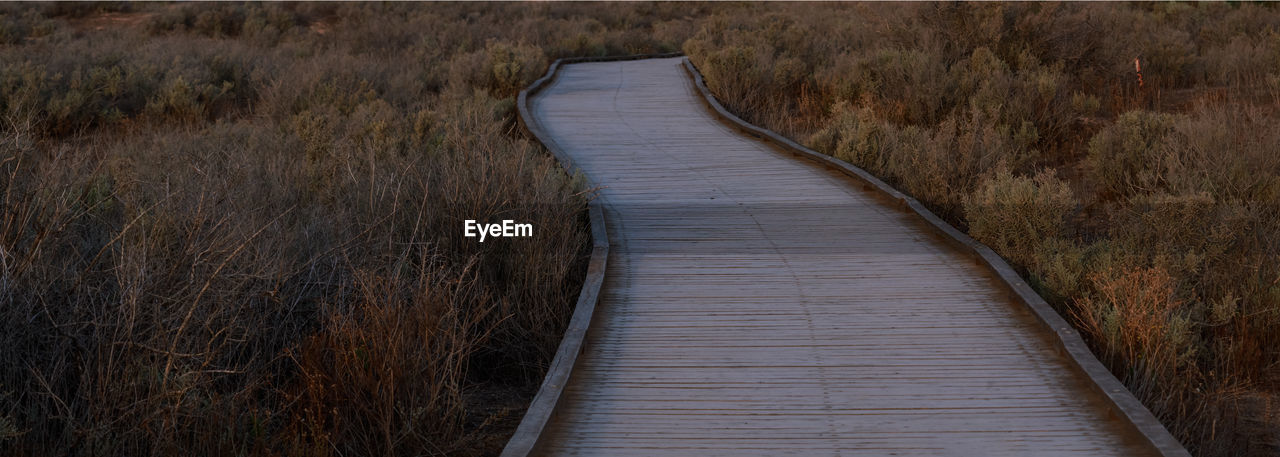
{"x": 756, "y": 304}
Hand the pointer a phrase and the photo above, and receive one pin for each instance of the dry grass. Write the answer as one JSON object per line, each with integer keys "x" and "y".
{"x": 235, "y": 229}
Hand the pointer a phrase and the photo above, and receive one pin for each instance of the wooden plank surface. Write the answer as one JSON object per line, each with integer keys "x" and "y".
{"x": 758, "y": 305}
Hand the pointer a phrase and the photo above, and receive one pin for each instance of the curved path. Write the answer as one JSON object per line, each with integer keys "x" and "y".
{"x": 755, "y": 304}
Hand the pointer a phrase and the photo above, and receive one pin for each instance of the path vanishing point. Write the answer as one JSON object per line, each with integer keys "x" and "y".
{"x": 759, "y": 304}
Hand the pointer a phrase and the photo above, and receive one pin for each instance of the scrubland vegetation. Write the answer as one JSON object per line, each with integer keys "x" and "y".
{"x": 235, "y": 229}
{"x": 1141, "y": 198}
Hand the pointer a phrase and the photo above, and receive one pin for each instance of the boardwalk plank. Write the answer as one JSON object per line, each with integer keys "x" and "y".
{"x": 758, "y": 305}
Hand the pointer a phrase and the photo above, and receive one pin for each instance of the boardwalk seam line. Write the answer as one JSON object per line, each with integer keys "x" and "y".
{"x": 1122, "y": 402}
{"x": 542, "y": 408}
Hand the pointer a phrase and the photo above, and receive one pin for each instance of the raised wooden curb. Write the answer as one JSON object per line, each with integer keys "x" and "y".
{"x": 1123, "y": 404}
{"x": 544, "y": 404}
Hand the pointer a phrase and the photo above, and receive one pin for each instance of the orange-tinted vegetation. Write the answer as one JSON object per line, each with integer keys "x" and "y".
{"x": 1122, "y": 156}
{"x": 235, "y": 228}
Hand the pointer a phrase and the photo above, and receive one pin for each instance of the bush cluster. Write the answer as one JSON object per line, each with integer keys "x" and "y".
{"x": 231, "y": 229}
{"x": 1144, "y": 206}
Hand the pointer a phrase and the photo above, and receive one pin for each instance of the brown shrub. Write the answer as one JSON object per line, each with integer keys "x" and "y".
{"x": 285, "y": 178}
{"x": 1144, "y": 328}
{"x": 1177, "y": 181}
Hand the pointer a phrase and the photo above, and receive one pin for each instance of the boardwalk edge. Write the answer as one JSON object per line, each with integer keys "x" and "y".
{"x": 529, "y": 433}
{"x": 1123, "y": 404}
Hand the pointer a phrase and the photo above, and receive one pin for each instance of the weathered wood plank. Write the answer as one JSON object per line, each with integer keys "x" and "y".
{"x": 759, "y": 305}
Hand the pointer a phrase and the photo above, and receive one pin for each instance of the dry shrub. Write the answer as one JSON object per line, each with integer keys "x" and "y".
{"x": 511, "y": 66}
{"x": 1174, "y": 231}
{"x": 1245, "y": 59}
{"x": 310, "y": 163}
{"x": 1208, "y": 154}
{"x": 501, "y": 67}
{"x": 855, "y": 135}
{"x": 1143, "y": 327}
{"x": 939, "y": 166}
{"x": 1015, "y": 214}
{"x": 164, "y": 312}
{"x": 909, "y": 85}
{"x": 237, "y": 232}
{"x": 1124, "y": 155}
{"x": 1150, "y": 340}
{"x": 1224, "y": 256}
{"x": 388, "y": 375}
{"x": 1175, "y": 174}
{"x": 962, "y": 151}
{"x": 739, "y": 72}
{"x": 1060, "y": 268}
{"x": 756, "y": 63}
